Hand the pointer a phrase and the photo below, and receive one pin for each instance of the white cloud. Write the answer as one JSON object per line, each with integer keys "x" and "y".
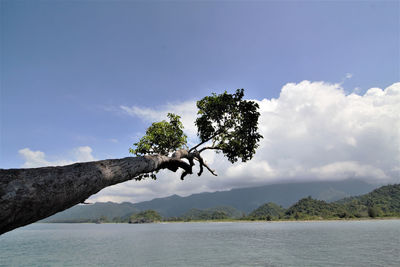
{"x": 38, "y": 158}
{"x": 312, "y": 131}
{"x": 83, "y": 154}
{"x": 187, "y": 110}
{"x": 347, "y": 169}
{"x": 33, "y": 158}
{"x": 315, "y": 130}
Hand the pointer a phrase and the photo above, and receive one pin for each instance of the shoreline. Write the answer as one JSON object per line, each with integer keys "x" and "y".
{"x": 239, "y": 221}
{"x": 277, "y": 221}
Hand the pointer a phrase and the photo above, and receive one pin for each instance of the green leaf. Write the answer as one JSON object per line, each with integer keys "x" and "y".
{"x": 161, "y": 138}
{"x": 231, "y": 123}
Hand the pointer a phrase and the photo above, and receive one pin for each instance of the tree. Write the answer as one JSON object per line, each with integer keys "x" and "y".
{"x": 147, "y": 216}
{"x": 226, "y": 124}
{"x": 267, "y": 210}
{"x": 373, "y": 212}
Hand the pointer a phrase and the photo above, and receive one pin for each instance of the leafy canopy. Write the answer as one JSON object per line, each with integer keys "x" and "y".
{"x": 226, "y": 123}
{"x": 231, "y": 123}
{"x": 162, "y": 138}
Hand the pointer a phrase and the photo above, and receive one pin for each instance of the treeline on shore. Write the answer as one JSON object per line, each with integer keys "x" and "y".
{"x": 380, "y": 203}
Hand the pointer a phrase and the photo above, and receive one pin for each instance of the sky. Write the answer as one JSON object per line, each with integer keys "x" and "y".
{"x": 82, "y": 80}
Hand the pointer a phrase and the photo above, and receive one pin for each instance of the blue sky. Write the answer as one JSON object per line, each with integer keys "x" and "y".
{"x": 67, "y": 67}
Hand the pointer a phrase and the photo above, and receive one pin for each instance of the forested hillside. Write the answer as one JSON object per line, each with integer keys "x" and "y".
{"x": 382, "y": 202}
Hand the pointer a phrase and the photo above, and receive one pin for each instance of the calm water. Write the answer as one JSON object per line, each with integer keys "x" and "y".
{"x": 354, "y": 243}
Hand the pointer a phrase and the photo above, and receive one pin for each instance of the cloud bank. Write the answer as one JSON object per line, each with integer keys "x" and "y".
{"x": 312, "y": 131}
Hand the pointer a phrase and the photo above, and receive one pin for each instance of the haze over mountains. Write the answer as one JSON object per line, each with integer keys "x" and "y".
{"x": 243, "y": 199}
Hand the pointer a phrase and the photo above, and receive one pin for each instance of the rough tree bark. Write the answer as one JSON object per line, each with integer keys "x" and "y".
{"x": 28, "y": 195}
{"x": 227, "y": 123}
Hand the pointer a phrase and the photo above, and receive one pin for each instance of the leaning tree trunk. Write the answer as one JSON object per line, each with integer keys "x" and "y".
{"x": 28, "y": 195}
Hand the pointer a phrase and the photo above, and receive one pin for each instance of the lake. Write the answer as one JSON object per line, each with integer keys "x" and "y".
{"x": 327, "y": 243}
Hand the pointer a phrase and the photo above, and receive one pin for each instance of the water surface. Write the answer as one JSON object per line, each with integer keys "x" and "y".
{"x": 332, "y": 243}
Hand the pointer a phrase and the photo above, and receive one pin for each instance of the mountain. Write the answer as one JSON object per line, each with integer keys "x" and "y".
{"x": 382, "y": 202}
{"x": 308, "y": 208}
{"x": 93, "y": 212}
{"x": 243, "y": 199}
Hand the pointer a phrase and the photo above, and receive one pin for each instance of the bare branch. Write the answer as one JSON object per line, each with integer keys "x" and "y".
{"x": 173, "y": 164}
{"x": 208, "y": 147}
{"x": 180, "y": 154}
{"x": 209, "y": 169}
{"x": 202, "y": 143}
{"x": 201, "y": 168}
{"x": 203, "y": 163}
{"x": 183, "y": 175}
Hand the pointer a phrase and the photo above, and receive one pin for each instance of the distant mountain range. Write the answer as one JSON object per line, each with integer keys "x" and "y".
{"x": 94, "y": 212}
{"x": 243, "y": 199}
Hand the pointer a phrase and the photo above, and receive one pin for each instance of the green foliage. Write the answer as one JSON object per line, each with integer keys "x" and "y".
{"x": 307, "y": 208}
{"x": 382, "y": 202}
{"x": 268, "y": 211}
{"x": 231, "y": 123}
{"x": 147, "y": 216}
{"x": 373, "y": 212}
{"x": 162, "y": 138}
{"x": 217, "y": 213}
{"x": 103, "y": 219}
{"x": 226, "y": 120}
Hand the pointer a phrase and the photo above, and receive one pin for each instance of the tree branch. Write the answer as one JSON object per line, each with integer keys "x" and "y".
{"x": 203, "y": 163}
{"x": 28, "y": 195}
{"x": 209, "y": 169}
{"x": 202, "y": 143}
{"x": 208, "y": 147}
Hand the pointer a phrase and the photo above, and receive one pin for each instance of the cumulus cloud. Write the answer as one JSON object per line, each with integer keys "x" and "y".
{"x": 315, "y": 130}
{"x": 312, "y": 131}
{"x": 38, "y": 158}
